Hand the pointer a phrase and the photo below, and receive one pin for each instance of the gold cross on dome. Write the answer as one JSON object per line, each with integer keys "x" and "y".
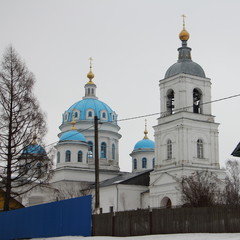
{"x": 90, "y": 59}
{"x": 183, "y": 16}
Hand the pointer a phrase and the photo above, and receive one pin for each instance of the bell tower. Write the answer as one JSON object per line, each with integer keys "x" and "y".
{"x": 186, "y": 136}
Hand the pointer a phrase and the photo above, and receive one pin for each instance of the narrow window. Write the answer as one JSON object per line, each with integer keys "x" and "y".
{"x": 104, "y": 115}
{"x": 144, "y": 163}
{"x": 66, "y": 117}
{"x": 170, "y": 102}
{"x": 103, "y": 150}
{"x": 153, "y": 163}
{"x": 90, "y": 114}
{"x": 90, "y": 149}
{"x": 92, "y": 91}
{"x": 199, "y": 148}
{"x": 58, "y": 157}
{"x": 80, "y": 156}
{"x": 113, "y": 151}
{"x": 76, "y": 115}
{"x": 169, "y": 149}
{"x": 197, "y": 98}
{"x": 88, "y": 91}
{"x": 135, "y": 163}
{"x": 68, "y": 156}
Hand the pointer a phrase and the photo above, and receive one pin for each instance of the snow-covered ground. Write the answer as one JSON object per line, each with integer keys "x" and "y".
{"x": 189, "y": 236}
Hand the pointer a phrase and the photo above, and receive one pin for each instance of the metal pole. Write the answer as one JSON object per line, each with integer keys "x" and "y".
{"x": 97, "y": 209}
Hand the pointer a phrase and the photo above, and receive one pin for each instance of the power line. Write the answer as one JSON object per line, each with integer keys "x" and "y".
{"x": 151, "y": 114}
{"x": 179, "y": 109}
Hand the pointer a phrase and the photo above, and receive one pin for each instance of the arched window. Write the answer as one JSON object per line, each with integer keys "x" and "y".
{"x": 169, "y": 149}
{"x": 170, "y": 101}
{"x": 134, "y": 163}
{"x": 75, "y": 114}
{"x": 144, "y": 163}
{"x": 68, "y": 156}
{"x": 153, "y": 163}
{"x": 80, "y": 156}
{"x": 66, "y": 117}
{"x": 199, "y": 148}
{"x": 90, "y": 149}
{"x": 58, "y": 157}
{"x": 103, "y": 150}
{"x": 90, "y": 114}
{"x": 197, "y": 100}
{"x": 113, "y": 151}
{"x": 104, "y": 115}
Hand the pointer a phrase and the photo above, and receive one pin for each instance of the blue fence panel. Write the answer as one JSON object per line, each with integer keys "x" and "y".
{"x": 70, "y": 217}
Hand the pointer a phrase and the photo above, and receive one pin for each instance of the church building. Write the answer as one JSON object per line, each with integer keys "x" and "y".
{"x": 186, "y": 140}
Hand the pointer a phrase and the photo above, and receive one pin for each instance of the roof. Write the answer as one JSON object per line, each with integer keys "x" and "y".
{"x": 97, "y": 106}
{"x": 72, "y": 135}
{"x": 34, "y": 149}
{"x": 137, "y": 178}
{"x": 236, "y": 151}
{"x": 145, "y": 143}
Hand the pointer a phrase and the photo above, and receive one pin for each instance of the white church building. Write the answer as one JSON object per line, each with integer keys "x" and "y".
{"x": 186, "y": 140}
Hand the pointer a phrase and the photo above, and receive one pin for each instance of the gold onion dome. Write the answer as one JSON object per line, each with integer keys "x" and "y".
{"x": 184, "y": 35}
{"x": 90, "y": 74}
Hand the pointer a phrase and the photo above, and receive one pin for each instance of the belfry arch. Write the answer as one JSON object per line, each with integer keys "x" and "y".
{"x": 197, "y": 100}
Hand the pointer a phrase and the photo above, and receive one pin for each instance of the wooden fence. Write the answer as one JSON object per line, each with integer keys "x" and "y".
{"x": 160, "y": 221}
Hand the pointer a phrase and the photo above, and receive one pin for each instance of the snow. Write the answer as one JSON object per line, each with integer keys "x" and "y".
{"x": 186, "y": 236}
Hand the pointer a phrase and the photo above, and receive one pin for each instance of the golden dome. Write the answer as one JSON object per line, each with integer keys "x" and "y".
{"x": 184, "y": 35}
{"x": 145, "y": 131}
{"x": 90, "y": 76}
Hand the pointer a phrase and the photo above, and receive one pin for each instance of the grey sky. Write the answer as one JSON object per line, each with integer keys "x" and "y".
{"x": 132, "y": 42}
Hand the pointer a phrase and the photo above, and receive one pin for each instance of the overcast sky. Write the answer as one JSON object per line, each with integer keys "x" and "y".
{"x": 132, "y": 42}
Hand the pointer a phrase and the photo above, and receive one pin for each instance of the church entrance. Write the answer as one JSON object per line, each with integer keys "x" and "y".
{"x": 166, "y": 203}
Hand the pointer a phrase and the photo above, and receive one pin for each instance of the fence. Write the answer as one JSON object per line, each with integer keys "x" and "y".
{"x": 63, "y": 218}
{"x": 159, "y": 221}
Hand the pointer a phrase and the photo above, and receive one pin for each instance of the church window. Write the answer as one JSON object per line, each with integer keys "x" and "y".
{"x": 80, "y": 156}
{"x": 90, "y": 114}
{"x": 58, "y": 157}
{"x": 134, "y": 163}
{"x": 65, "y": 117}
{"x": 113, "y": 151}
{"x": 90, "y": 149}
{"x": 104, "y": 115}
{"x": 68, "y": 156}
{"x": 103, "y": 150}
{"x": 169, "y": 149}
{"x": 88, "y": 91}
{"x": 92, "y": 91}
{"x": 144, "y": 163}
{"x": 197, "y": 100}
{"x": 153, "y": 163}
{"x": 170, "y": 102}
{"x": 76, "y": 115}
{"x": 199, "y": 148}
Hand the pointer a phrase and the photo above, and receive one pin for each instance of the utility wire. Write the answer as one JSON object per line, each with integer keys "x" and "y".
{"x": 152, "y": 114}
{"x": 179, "y": 109}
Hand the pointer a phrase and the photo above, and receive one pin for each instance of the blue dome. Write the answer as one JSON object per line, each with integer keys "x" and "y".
{"x": 145, "y": 143}
{"x": 72, "y": 135}
{"x": 34, "y": 149}
{"x": 99, "y": 108}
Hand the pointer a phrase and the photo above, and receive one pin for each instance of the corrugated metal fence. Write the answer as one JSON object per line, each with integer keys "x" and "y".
{"x": 159, "y": 221}
{"x": 64, "y": 218}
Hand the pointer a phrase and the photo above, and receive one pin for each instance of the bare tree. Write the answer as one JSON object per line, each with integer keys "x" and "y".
{"x": 201, "y": 189}
{"x": 20, "y": 119}
{"x": 231, "y": 193}
{"x": 71, "y": 190}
